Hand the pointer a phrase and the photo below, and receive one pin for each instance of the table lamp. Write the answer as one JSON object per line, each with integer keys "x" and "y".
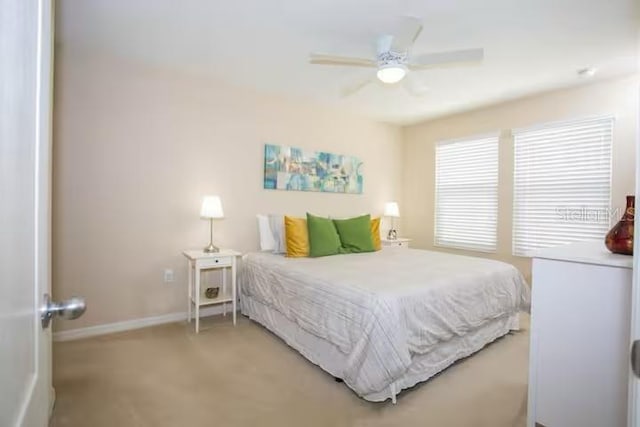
{"x": 211, "y": 208}
{"x": 391, "y": 210}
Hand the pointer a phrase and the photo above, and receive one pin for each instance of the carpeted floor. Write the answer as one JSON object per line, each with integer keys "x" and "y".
{"x": 245, "y": 376}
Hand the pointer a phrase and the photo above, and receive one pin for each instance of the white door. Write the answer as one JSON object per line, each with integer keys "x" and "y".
{"x": 634, "y": 374}
{"x": 25, "y": 135}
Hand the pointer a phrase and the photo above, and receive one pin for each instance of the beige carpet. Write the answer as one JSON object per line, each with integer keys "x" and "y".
{"x": 245, "y": 376}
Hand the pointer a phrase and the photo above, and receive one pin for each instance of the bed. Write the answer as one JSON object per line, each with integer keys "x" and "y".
{"x": 383, "y": 321}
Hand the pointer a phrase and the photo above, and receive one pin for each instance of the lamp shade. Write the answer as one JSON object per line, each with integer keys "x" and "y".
{"x": 391, "y": 209}
{"x": 211, "y": 207}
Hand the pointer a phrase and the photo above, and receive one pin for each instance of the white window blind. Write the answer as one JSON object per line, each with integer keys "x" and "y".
{"x": 562, "y": 184}
{"x": 467, "y": 194}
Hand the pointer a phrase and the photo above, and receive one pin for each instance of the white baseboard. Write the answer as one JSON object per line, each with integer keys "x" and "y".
{"x": 127, "y": 325}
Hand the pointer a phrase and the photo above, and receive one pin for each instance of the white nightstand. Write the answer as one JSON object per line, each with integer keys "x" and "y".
{"x": 399, "y": 243}
{"x": 197, "y": 260}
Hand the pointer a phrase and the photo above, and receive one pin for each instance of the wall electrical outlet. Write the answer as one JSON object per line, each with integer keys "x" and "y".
{"x": 168, "y": 275}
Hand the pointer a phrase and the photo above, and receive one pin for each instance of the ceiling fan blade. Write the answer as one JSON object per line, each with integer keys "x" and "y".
{"x": 407, "y": 33}
{"x": 446, "y": 59}
{"x": 319, "y": 58}
{"x": 414, "y": 86}
{"x": 350, "y": 90}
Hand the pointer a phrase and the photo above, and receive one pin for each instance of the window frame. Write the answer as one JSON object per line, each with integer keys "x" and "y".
{"x": 551, "y": 125}
{"x": 496, "y": 136}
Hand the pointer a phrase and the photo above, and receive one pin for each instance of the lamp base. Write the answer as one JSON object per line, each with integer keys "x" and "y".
{"x": 211, "y": 249}
{"x": 392, "y": 235}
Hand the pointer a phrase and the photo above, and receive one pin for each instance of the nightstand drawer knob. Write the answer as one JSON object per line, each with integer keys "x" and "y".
{"x": 217, "y": 260}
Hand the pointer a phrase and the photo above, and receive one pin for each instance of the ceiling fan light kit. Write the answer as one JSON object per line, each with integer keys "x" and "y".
{"x": 391, "y": 67}
{"x": 391, "y": 74}
{"x": 394, "y": 60}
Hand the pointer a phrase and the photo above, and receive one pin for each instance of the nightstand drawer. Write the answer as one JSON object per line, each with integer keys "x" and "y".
{"x": 214, "y": 262}
{"x": 399, "y": 243}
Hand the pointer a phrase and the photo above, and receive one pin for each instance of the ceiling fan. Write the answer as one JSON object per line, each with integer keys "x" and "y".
{"x": 394, "y": 59}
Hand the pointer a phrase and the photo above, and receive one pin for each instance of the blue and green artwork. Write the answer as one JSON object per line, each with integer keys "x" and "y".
{"x": 297, "y": 169}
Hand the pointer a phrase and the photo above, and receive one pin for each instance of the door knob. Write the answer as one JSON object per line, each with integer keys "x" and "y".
{"x": 72, "y": 308}
{"x": 635, "y": 358}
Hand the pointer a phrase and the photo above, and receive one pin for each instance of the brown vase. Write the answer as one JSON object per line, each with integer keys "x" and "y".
{"x": 619, "y": 239}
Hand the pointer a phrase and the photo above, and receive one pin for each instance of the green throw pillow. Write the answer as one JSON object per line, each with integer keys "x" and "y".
{"x": 323, "y": 237}
{"x": 355, "y": 234}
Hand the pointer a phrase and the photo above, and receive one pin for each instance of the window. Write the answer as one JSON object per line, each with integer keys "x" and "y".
{"x": 562, "y": 184}
{"x": 467, "y": 194}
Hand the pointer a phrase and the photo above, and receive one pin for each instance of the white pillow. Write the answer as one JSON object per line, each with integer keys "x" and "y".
{"x": 276, "y": 222}
{"x": 267, "y": 242}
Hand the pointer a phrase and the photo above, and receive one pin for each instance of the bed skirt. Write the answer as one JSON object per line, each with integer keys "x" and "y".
{"x": 331, "y": 359}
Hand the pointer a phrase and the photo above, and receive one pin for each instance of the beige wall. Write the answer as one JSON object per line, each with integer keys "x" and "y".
{"x": 618, "y": 97}
{"x": 136, "y": 148}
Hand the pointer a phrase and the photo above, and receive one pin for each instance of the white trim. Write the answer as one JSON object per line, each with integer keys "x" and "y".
{"x": 128, "y": 325}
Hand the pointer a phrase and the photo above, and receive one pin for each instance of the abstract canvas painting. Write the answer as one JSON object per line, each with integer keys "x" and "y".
{"x": 298, "y": 169}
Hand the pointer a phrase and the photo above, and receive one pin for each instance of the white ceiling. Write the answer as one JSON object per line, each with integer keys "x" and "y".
{"x": 530, "y": 45}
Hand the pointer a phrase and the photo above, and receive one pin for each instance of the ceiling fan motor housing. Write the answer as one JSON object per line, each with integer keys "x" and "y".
{"x": 391, "y": 59}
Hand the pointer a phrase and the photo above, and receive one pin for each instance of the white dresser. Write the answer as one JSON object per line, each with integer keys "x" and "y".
{"x": 580, "y": 321}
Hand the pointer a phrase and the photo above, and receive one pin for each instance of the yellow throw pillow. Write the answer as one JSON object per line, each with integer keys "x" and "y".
{"x": 375, "y": 233}
{"x": 297, "y": 236}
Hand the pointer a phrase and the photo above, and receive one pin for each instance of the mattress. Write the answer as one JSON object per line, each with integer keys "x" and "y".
{"x": 383, "y": 312}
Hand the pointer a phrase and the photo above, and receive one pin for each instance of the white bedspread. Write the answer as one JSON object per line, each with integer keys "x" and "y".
{"x": 382, "y": 308}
